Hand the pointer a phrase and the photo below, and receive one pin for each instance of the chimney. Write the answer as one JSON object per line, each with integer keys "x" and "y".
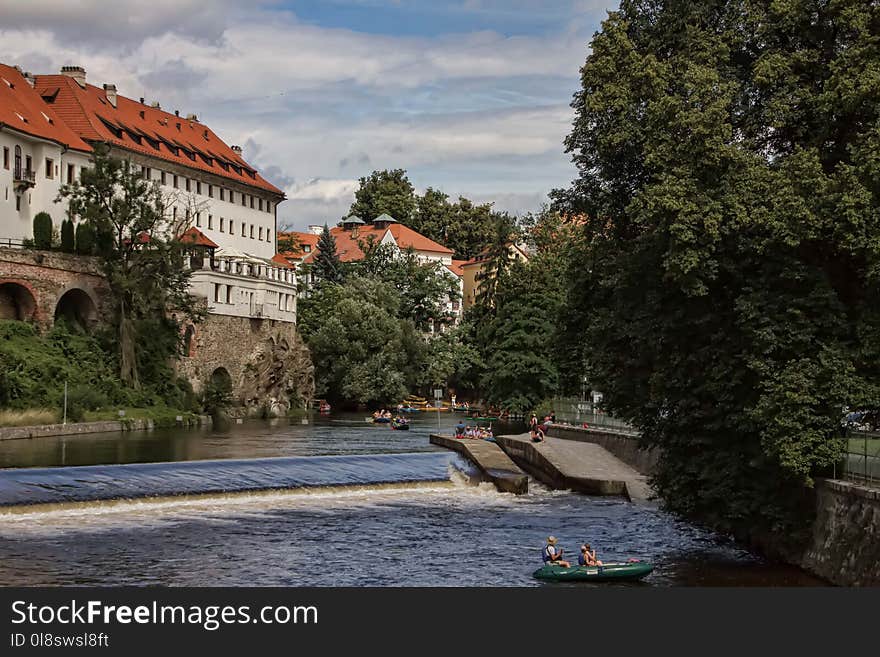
{"x": 316, "y": 230}
{"x": 78, "y": 73}
{"x": 155, "y": 105}
{"x": 142, "y": 100}
{"x": 176, "y": 112}
{"x": 110, "y": 92}
{"x": 236, "y": 149}
{"x": 192, "y": 117}
{"x": 30, "y": 78}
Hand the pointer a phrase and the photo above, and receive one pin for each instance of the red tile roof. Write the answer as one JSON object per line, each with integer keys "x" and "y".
{"x": 196, "y": 237}
{"x": 348, "y": 247}
{"x": 456, "y": 267}
{"x": 22, "y": 109}
{"x": 279, "y": 259}
{"x": 147, "y": 130}
{"x": 303, "y": 239}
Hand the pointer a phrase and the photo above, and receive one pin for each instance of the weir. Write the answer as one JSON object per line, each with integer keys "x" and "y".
{"x": 30, "y": 486}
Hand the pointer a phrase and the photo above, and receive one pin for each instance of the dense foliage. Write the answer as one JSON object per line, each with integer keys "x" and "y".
{"x": 141, "y": 257}
{"x": 67, "y": 236}
{"x": 34, "y": 369}
{"x": 326, "y": 266}
{"x": 729, "y": 158}
{"x": 385, "y": 192}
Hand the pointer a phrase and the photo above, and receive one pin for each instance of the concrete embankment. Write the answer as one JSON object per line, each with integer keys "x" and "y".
{"x": 576, "y": 465}
{"x": 491, "y": 460}
{"x": 78, "y": 428}
{"x": 624, "y": 445}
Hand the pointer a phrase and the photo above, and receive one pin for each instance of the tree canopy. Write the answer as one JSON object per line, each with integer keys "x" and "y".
{"x": 385, "y": 192}
{"x": 728, "y": 156}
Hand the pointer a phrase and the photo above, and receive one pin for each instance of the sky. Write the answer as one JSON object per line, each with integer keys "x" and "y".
{"x": 471, "y": 97}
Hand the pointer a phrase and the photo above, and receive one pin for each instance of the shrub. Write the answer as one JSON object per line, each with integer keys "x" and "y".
{"x": 85, "y": 238}
{"x": 43, "y": 230}
{"x": 83, "y": 398}
{"x": 67, "y": 239}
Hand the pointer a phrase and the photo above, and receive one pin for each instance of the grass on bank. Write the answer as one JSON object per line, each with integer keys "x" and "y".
{"x": 160, "y": 415}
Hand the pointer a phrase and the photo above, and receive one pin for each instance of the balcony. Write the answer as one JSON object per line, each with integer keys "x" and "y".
{"x": 23, "y": 179}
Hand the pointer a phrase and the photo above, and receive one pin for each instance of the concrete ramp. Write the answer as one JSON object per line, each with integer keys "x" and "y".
{"x": 584, "y": 467}
{"x": 490, "y": 459}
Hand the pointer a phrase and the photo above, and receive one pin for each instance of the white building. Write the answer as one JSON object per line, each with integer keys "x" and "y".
{"x": 40, "y": 153}
{"x": 208, "y": 184}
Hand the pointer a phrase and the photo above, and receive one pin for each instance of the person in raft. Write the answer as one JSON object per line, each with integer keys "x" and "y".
{"x": 552, "y": 555}
{"x": 587, "y": 557}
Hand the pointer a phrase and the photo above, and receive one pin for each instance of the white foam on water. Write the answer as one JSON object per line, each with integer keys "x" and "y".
{"x": 50, "y": 519}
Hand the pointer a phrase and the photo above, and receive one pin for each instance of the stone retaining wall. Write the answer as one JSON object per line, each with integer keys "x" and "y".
{"x": 845, "y": 548}
{"x": 73, "y": 429}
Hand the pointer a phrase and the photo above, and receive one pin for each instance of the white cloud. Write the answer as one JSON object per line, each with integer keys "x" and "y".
{"x": 315, "y": 107}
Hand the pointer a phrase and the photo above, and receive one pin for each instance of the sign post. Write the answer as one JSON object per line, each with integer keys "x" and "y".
{"x": 438, "y": 395}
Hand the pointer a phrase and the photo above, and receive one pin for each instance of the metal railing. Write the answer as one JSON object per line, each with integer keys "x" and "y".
{"x": 24, "y": 176}
{"x": 861, "y": 462}
{"x": 578, "y": 412}
{"x": 9, "y": 243}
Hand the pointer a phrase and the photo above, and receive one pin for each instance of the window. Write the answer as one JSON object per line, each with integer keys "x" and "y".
{"x": 6, "y": 157}
{"x": 261, "y": 233}
{"x": 217, "y": 287}
{"x": 50, "y": 168}
{"x": 231, "y": 232}
{"x": 211, "y": 191}
{"x": 187, "y": 184}
{"x": 231, "y": 196}
{"x": 244, "y": 200}
{"x": 198, "y": 187}
{"x": 176, "y": 182}
{"x": 149, "y": 174}
{"x": 71, "y": 172}
{"x": 18, "y": 203}
{"x": 252, "y": 231}
{"x": 307, "y": 248}
{"x": 163, "y": 178}
{"x": 222, "y": 194}
{"x": 261, "y": 205}
{"x": 28, "y": 164}
{"x": 252, "y": 202}
{"x": 222, "y": 225}
{"x": 211, "y": 222}
{"x": 199, "y": 219}
{"x": 228, "y": 294}
{"x": 243, "y": 230}
{"x": 268, "y": 206}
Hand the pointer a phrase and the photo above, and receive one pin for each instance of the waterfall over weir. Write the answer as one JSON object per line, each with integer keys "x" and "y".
{"x": 28, "y": 486}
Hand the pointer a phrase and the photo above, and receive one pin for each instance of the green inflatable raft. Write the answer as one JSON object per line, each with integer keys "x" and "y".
{"x": 609, "y": 572}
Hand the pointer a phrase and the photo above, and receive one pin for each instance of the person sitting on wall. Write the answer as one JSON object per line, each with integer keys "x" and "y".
{"x": 537, "y": 434}
{"x": 551, "y": 555}
{"x": 459, "y": 429}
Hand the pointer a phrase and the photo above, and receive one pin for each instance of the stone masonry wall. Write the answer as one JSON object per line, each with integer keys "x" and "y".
{"x": 266, "y": 360}
{"x": 48, "y": 275}
{"x": 845, "y": 548}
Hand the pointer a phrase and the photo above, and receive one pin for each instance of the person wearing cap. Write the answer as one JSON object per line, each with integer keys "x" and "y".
{"x": 587, "y": 557}
{"x": 552, "y": 555}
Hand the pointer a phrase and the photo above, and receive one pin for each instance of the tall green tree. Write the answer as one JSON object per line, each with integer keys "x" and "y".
{"x": 326, "y": 265}
{"x": 361, "y": 350}
{"x": 728, "y": 158}
{"x": 385, "y": 192}
{"x": 141, "y": 257}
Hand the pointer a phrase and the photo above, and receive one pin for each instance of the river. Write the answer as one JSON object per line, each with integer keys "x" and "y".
{"x": 370, "y": 507}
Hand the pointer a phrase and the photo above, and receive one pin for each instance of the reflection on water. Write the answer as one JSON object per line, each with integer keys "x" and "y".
{"x": 324, "y": 435}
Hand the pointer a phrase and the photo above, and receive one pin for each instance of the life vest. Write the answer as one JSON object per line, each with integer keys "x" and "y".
{"x": 545, "y": 554}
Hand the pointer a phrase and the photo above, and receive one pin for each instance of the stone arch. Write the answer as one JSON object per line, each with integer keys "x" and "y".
{"x": 221, "y": 379}
{"x": 189, "y": 341}
{"x": 17, "y": 301}
{"x": 78, "y": 307}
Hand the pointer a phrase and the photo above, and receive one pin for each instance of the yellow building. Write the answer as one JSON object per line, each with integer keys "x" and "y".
{"x": 473, "y": 273}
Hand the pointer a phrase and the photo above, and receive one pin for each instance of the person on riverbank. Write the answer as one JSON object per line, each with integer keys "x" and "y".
{"x": 552, "y": 555}
{"x": 537, "y": 434}
{"x": 460, "y": 429}
{"x": 587, "y": 557}
{"x": 533, "y": 422}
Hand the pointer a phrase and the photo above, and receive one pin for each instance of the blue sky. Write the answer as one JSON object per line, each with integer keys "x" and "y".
{"x": 469, "y": 96}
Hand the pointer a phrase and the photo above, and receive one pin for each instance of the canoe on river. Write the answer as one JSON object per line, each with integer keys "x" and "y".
{"x": 605, "y": 573}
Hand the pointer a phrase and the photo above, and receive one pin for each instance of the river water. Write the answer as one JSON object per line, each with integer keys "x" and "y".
{"x": 367, "y": 506}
